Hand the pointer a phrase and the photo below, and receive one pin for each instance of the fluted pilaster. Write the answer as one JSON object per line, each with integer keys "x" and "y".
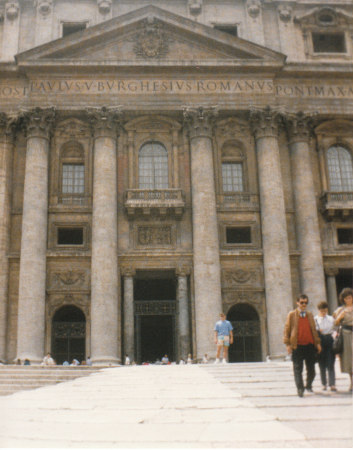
{"x": 207, "y": 277}
{"x": 265, "y": 125}
{"x": 6, "y": 147}
{"x": 31, "y": 298}
{"x": 105, "y": 320}
{"x": 307, "y": 224}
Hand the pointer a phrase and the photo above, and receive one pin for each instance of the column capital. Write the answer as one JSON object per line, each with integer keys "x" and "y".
{"x": 128, "y": 271}
{"x": 331, "y": 271}
{"x": 38, "y": 122}
{"x": 299, "y": 127}
{"x": 200, "y": 121}
{"x": 7, "y": 126}
{"x": 105, "y": 122}
{"x": 183, "y": 270}
{"x": 265, "y": 122}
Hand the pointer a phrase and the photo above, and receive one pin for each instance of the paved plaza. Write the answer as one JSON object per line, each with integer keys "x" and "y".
{"x": 191, "y": 406}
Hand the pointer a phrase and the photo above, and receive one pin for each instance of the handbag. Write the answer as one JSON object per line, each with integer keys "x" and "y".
{"x": 337, "y": 346}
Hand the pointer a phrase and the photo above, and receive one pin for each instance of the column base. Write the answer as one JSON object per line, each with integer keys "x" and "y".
{"x": 105, "y": 361}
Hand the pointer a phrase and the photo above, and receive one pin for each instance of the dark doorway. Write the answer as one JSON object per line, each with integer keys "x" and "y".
{"x": 247, "y": 334}
{"x": 155, "y": 310}
{"x": 344, "y": 279}
{"x": 68, "y": 334}
{"x": 156, "y": 338}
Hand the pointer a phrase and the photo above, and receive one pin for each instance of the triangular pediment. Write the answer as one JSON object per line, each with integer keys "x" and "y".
{"x": 150, "y": 36}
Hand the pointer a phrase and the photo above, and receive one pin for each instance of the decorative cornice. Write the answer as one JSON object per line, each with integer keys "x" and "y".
{"x": 299, "y": 127}
{"x": 105, "y": 122}
{"x": 38, "y": 122}
{"x": 265, "y": 123}
{"x": 200, "y": 121}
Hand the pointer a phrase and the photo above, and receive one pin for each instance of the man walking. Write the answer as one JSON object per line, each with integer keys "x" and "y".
{"x": 301, "y": 339}
{"x": 223, "y": 337}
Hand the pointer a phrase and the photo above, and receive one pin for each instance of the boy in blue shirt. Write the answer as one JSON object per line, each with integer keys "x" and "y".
{"x": 223, "y": 334}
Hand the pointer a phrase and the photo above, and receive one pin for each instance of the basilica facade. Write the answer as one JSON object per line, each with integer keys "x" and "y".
{"x": 164, "y": 161}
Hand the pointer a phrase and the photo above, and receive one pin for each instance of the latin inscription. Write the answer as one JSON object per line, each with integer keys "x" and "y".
{"x": 175, "y": 87}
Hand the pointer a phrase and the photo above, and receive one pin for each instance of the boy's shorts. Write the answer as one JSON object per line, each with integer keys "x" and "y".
{"x": 223, "y": 340}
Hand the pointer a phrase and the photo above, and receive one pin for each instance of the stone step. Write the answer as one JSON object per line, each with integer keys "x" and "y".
{"x": 17, "y": 378}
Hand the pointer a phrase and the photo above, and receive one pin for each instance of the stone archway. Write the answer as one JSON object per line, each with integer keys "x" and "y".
{"x": 247, "y": 333}
{"x": 68, "y": 334}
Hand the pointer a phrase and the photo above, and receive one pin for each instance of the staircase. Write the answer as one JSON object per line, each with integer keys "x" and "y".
{"x": 15, "y": 378}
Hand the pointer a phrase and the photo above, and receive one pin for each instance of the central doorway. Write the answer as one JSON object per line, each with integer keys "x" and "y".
{"x": 155, "y": 310}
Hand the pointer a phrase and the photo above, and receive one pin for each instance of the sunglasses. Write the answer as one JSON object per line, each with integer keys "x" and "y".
{"x": 303, "y": 303}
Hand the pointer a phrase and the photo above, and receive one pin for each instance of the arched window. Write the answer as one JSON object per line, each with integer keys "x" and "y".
{"x": 340, "y": 169}
{"x": 232, "y": 169}
{"x": 153, "y": 166}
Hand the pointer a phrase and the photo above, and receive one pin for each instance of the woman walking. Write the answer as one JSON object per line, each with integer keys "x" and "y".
{"x": 344, "y": 317}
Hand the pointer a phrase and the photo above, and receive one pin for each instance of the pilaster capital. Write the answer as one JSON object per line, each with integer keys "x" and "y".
{"x": 12, "y": 9}
{"x": 331, "y": 271}
{"x": 7, "y": 126}
{"x": 38, "y": 122}
{"x": 299, "y": 127}
{"x": 183, "y": 270}
{"x": 128, "y": 271}
{"x": 265, "y": 122}
{"x": 200, "y": 121}
{"x": 105, "y": 122}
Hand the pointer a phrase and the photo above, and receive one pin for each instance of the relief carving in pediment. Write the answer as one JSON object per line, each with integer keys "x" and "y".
{"x": 73, "y": 128}
{"x": 234, "y": 278}
{"x": 152, "y": 41}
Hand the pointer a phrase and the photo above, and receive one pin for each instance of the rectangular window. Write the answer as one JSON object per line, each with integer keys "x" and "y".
{"x": 238, "y": 235}
{"x": 345, "y": 235}
{"x": 70, "y": 236}
{"x": 73, "y": 27}
{"x": 230, "y": 29}
{"x": 329, "y": 42}
{"x": 73, "y": 179}
{"x": 232, "y": 176}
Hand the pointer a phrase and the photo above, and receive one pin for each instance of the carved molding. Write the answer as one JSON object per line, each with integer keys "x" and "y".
{"x": 266, "y": 122}
{"x": 12, "y": 10}
{"x": 337, "y": 17}
{"x": 7, "y": 125}
{"x": 255, "y": 299}
{"x": 331, "y": 271}
{"x": 285, "y": 13}
{"x": 183, "y": 270}
{"x": 128, "y": 271}
{"x": 232, "y": 128}
{"x": 104, "y": 6}
{"x": 253, "y": 8}
{"x": 200, "y": 121}
{"x": 299, "y": 127}
{"x": 38, "y": 122}
{"x": 44, "y": 7}
{"x": 151, "y": 42}
{"x": 56, "y": 302}
{"x": 69, "y": 279}
{"x": 195, "y": 6}
{"x": 335, "y": 128}
{"x": 234, "y": 278}
{"x": 105, "y": 122}
{"x": 154, "y": 236}
{"x": 73, "y": 128}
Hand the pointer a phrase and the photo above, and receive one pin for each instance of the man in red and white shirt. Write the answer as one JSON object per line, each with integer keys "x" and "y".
{"x": 302, "y": 341}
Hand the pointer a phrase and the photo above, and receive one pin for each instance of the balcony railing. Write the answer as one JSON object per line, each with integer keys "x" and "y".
{"x": 161, "y": 201}
{"x": 335, "y": 204}
{"x": 73, "y": 199}
{"x": 238, "y": 200}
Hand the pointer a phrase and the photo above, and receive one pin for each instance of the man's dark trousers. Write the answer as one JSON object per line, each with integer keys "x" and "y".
{"x": 327, "y": 360}
{"x": 303, "y": 353}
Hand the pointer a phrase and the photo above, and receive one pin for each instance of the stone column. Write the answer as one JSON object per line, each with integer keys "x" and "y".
{"x": 207, "y": 273}
{"x": 332, "y": 297}
{"x": 6, "y": 147}
{"x": 31, "y": 296}
{"x": 183, "y": 314}
{"x": 274, "y": 227}
{"x": 129, "y": 327}
{"x": 307, "y": 224}
{"x": 105, "y": 320}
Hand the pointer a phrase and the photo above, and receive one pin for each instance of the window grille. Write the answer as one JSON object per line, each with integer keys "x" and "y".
{"x": 232, "y": 176}
{"x": 73, "y": 179}
{"x": 153, "y": 166}
{"x": 340, "y": 169}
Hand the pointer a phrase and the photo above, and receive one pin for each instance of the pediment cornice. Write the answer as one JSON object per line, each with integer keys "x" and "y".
{"x": 150, "y": 36}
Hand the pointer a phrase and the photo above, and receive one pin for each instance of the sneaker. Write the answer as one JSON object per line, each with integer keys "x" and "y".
{"x": 324, "y": 388}
{"x": 309, "y": 389}
{"x": 333, "y": 388}
{"x": 217, "y": 361}
{"x": 224, "y": 361}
